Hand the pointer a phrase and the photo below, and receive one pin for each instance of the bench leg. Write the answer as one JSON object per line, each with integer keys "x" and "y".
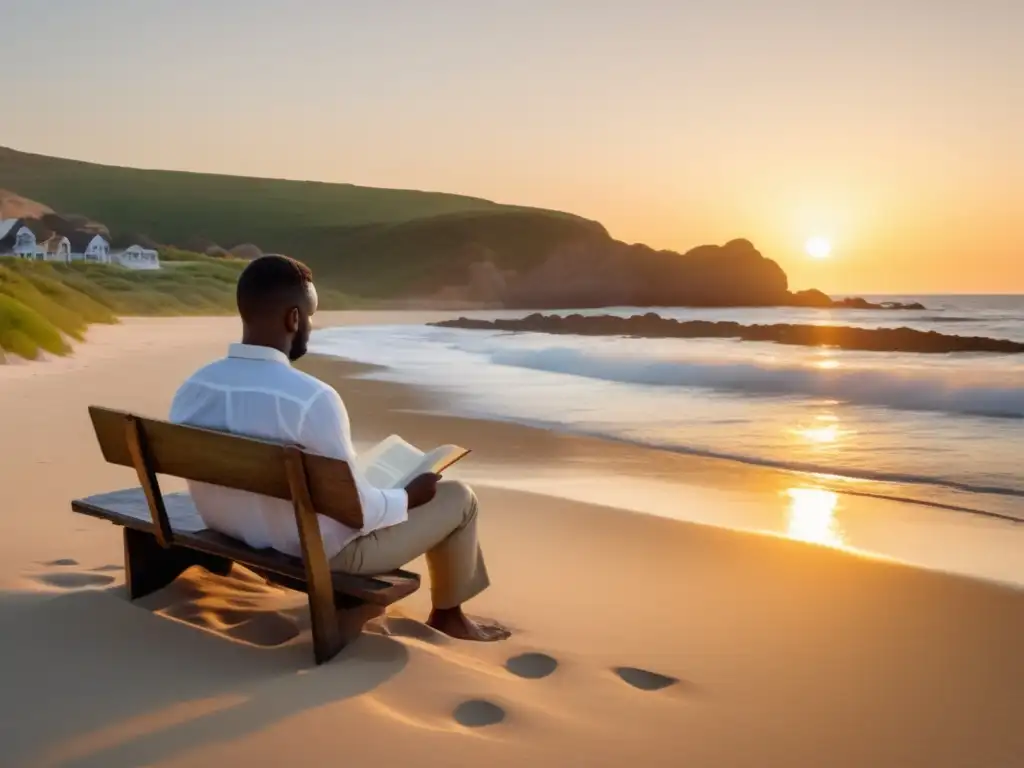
{"x": 323, "y": 619}
{"x": 335, "y": 621}
{"x": 334, "y": 629}
{"x": 149, "y": 567}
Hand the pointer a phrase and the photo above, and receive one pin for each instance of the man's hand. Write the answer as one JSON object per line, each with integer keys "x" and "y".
{"x": 421, "y": 489}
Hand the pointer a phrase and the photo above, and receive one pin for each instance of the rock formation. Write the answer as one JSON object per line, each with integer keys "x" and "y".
{"x": 604, "y": 273}
{"x": 652, "y": 325}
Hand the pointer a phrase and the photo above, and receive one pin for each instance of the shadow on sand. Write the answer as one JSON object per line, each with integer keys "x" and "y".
{"x": 105, "y": 682}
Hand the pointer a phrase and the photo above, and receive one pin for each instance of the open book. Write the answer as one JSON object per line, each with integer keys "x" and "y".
{"x": 393, "y": 462}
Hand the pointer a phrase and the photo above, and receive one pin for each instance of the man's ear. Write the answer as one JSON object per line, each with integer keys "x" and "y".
{"x": 292, "y": 320}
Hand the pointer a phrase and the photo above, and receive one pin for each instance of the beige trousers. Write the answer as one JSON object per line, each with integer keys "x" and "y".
{"x": 444, "y": 530}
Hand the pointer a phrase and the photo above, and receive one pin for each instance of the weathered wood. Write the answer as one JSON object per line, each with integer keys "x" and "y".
{"x": 382, "y": 589}
{"x": 150, "y": 566}
{"x": 138, "y": 450}
{"x": 232, "y": 461}
{"x": 159, "y": 545}
{"x": 327, "y": 638}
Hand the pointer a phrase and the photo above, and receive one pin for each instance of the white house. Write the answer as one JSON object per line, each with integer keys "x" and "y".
{"x": 56, "y": 248}
{"x": 136, "y": 257}
{"x": 18, "y": 240}
{"x": 88, "y": 246}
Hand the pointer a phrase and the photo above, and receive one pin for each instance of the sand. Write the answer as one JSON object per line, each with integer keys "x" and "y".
{"x": 638, "y": 639}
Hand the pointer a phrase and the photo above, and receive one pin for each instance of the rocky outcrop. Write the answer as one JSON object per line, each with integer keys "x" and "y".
{"x": 817, "y": 299}
{"x": 610, "y": 273}
{"x": 601, "y": 272}
{"x": 652, "y": 325}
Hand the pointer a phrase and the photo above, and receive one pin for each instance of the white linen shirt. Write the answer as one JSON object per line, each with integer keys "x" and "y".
{"x": 256, "y": 392}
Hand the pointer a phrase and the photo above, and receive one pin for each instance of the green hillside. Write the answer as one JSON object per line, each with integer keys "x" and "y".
{"x": 363, "y": 240}
{"x": 44, "y": 305}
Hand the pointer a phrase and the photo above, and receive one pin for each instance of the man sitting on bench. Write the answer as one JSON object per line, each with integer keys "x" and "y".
{"x": 256, "y": 392}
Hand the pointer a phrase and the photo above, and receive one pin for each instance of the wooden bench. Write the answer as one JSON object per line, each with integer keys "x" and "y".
{"x": 164, "y": 535}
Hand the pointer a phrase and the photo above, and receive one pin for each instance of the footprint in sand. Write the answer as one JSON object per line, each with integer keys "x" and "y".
{"x": 64, "y": 561}
{"x": 74, "y": 580}
{"x": 108, "y": 568}
{"x": 532, "y": 666}
{"x": 477, "y": 713}
{"x": 644, "y": 679}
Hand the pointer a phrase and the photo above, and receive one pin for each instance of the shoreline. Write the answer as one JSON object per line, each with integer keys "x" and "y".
{"x": 843, "y": 516}
{"x": 828, "y": 511}
{"x": 716, "y": 647}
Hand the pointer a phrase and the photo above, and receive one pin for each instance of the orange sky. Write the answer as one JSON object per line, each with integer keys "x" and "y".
{"x": 894, "y": 128}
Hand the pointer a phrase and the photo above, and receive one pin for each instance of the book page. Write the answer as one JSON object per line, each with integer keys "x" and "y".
{"x": 393, "y": 462}
{"x": 436, "y": 461}
{"x": 389, "y": 462}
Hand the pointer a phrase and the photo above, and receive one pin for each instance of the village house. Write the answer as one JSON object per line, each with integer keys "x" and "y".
{"x": 136, "y": 257}
{"x": 88, "y": 246}
{"x": 17, "y": 239}
{"x": 55, "y": 248}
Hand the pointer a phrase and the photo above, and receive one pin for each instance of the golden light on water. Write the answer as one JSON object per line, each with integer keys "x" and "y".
{"x": 812, "y": 516}
{"x": 821, "y": 434}
{"x": 825, "y": 430}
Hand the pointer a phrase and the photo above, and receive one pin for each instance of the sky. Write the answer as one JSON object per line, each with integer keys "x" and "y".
{"x": 894, "y": 129}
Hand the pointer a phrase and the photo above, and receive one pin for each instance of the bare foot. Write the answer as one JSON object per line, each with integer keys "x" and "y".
{"x": 454, "y": 623}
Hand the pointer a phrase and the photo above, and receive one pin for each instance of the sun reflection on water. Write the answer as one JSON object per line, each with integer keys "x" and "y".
{"x": 812, "y": 516}
{"x": 824, "y": 430}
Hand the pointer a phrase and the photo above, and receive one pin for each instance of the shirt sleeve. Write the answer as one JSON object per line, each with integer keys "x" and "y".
{"x": 326, "y": 431}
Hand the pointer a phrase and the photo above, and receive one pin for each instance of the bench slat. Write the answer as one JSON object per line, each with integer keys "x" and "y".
{"x": 129, "y": 508}
{"x": 229, "y": 460}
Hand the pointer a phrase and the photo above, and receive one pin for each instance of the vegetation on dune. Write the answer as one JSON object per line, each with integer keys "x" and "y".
{"x": 363, "y": 240}
{"x": 24, "y": 332}
{"x": 43, "y": 304}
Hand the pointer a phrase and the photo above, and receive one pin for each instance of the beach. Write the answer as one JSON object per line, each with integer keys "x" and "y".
{"x": 652, "y": 624}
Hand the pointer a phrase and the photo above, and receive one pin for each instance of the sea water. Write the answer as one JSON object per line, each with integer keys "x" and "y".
{"x": 941, "y": 429}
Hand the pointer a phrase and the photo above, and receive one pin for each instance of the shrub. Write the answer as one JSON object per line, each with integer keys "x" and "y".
{"x": 23, "y": 331}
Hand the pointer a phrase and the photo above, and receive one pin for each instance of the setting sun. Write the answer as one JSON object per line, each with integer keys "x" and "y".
{"x": 818, "y": 247}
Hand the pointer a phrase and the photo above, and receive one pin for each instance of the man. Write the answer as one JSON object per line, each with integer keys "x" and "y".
{"x": 255, "y": 391}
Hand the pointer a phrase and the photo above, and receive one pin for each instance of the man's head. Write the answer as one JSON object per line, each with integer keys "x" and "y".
{"x": 276, "y": 300}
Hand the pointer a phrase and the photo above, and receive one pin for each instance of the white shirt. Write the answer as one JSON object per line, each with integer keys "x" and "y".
{"x": 255, "y": 391}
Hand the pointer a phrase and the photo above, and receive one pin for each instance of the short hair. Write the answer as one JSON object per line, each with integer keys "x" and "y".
{"x": 270, "y": 281}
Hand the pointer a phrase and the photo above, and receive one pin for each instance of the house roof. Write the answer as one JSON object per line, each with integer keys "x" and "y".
{"x": 7, "y": 227}
{"x": 52, "y": 243}
{"x": 37, "y": 228}
{"x": 80, "y": 240}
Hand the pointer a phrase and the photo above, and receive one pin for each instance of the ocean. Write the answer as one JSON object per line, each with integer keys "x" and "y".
{"x": 938, "y": 429}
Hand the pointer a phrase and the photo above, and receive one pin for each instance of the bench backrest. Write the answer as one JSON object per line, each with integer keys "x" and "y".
{"x": 226, "y": 460}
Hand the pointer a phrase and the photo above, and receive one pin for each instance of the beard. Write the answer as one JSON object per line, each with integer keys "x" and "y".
{"x": 300, "y": 345}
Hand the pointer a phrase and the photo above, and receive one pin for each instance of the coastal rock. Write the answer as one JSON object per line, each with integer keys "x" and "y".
{"x": 595, "y": 272}
{"x": 811, "y": 298}
{"x": 652, "y": 325}
{"x": 609, "y": 273}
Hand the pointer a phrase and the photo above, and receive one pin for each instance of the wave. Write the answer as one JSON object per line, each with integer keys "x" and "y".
{"x": 824, "y": 473}
{"x": 903, "y": 390}
{"x": 821, "y": 470}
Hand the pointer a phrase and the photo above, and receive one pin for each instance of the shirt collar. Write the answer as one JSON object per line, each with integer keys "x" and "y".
{"x": 255, "y": 352}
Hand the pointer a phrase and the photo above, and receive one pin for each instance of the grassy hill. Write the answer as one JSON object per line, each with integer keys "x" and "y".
{"x": 362, "y": 240}
{"x": 44, "y": 305}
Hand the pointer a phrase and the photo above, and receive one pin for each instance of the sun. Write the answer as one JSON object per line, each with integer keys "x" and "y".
{"x": 818, "y": 247}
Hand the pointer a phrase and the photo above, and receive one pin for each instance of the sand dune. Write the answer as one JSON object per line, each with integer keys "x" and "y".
{"x": 638, "y": 640}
